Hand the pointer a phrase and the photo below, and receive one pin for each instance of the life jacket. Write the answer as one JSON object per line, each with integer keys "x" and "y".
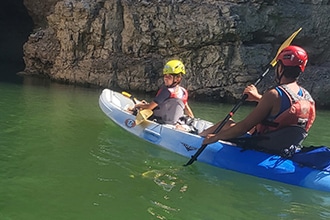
{"x": 172, "y": 108}
{"x": 301, "y": 113}
{"x": 179, "y": 92}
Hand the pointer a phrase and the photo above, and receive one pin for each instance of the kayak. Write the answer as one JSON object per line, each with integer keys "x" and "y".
{"x": 221, "y": 154}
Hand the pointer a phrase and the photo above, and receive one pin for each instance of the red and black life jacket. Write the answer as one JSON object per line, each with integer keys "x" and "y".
{"x": 301, "y": 113}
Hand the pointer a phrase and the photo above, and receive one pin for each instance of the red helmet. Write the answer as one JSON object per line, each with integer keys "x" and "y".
{"x": 293, "y": 56}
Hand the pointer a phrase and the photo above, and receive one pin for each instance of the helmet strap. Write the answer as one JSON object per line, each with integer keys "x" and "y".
{"x": 279, "y": 78}
{"x": 279, "y": 71}
{"x": 175, "y": 83}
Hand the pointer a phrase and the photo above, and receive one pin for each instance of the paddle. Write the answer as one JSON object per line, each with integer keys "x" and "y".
{"x": 244, "y": 97}
{"x": 129, "y": 96}
{"x": 141, "y": 115}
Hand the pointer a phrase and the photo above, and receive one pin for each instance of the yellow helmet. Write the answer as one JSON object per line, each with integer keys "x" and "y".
{"x": 174, "y": 67}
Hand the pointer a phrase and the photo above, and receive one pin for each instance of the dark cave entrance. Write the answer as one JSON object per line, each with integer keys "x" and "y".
{"x": 15, "y": 25}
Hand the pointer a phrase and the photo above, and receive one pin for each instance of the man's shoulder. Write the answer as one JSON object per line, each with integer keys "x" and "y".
{"x": 271, "y": 93}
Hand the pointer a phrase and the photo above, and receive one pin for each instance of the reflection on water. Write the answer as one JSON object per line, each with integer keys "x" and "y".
{"x": 297, "y": 202}
{"x": 163, "y": 179}
{"x": 168, "y": 180}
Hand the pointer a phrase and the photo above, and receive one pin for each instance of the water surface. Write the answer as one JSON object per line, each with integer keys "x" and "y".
{"x": 62, "y": 158}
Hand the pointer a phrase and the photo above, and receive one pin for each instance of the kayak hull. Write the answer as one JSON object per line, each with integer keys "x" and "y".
{"x": 221, "y": 154}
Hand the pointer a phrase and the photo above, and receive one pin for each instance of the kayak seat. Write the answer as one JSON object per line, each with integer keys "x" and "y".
{"x": 283, "y": 138}
{"x": 276, "y": 142}
{"x": 194, "y": 125}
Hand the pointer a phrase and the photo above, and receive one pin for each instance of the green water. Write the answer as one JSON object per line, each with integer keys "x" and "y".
{"x": 62, "y": 158}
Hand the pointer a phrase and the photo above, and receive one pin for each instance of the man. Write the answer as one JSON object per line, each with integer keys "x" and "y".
{"x": 171, "y": 101}
{"x": 283, "y": 106}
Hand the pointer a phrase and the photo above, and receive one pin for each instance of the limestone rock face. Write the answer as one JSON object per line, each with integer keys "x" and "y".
{"x": 224, "y": 44}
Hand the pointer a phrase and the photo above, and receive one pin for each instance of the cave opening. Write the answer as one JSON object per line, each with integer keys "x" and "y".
{"x": 15, "y": 25}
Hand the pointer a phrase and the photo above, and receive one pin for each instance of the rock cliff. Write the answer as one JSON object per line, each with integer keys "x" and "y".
{"x": 224, "y": 44}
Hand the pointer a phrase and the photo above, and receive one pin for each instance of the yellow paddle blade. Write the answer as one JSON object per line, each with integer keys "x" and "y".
{"x": 129, "y": 96}
{"x": 284, "y": 45}
{"x": 126, "y": 94}
{"x": 142, "y": 116}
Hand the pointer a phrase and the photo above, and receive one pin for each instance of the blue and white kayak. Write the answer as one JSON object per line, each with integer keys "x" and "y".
{"x": 221, "y": 154}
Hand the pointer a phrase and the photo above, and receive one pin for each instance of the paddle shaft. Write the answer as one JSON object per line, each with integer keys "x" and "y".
{"x": 230, "y": 114}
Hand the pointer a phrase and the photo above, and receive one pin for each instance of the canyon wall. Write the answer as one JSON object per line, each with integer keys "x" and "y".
{"x": 225, "y": 45}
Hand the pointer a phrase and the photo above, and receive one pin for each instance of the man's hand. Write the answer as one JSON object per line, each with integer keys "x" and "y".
{"x": 253, "y": 94}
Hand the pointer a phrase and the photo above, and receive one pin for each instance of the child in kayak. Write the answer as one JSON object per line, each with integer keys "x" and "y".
{"x": 171, "y": 100}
